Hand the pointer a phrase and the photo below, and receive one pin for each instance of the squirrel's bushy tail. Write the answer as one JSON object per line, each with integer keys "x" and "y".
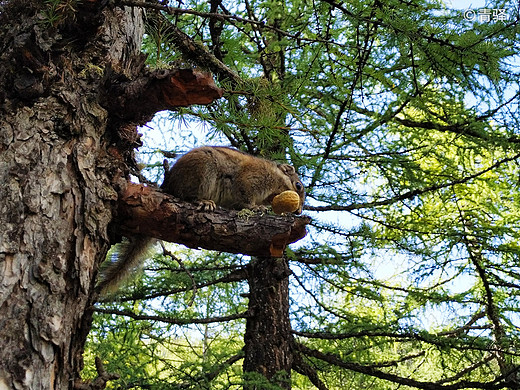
{"x": 130, "y": 255}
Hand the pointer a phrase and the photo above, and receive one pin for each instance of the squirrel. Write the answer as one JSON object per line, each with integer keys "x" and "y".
{"x": 226, "y": 177}
{"x": 211, "y": 176}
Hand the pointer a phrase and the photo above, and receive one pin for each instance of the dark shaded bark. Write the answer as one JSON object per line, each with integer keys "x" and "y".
{"x": 268, "y": 340}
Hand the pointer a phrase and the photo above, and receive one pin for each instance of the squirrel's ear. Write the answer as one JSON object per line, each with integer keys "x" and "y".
{"x": 287, "y": 169}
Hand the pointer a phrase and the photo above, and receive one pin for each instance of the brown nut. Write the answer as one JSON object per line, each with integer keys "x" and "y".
{"x": 286, "y": 202}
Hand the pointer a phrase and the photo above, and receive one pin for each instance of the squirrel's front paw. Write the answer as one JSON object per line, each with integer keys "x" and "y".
{"x": 260, "y": 209}
{"x": 206, "y": 205}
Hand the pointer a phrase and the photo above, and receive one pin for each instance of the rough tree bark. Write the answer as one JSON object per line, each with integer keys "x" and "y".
{"x": 57, "y": 193}
{"x": 268, "y": 340}
{"x": 69, "y": 80}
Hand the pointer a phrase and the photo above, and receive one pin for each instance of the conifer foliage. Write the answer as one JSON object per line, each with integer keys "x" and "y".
{"x": 402, "y": 118}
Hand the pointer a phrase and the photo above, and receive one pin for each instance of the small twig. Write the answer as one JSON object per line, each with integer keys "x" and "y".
{"x": 221, "y": 16}
{"x": 166, "y": 252}
{"x": 100, "y": 382}
{"x": 174, "y": 321}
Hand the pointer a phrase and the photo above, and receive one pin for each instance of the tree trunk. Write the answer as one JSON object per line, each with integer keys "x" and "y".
{"x": 268, "y": 340}
{"x": 58, "y": 193}
{"x": 58, "y": 180}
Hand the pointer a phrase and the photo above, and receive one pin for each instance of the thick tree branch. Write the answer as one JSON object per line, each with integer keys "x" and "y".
{"x": 310, "y": 372}
{"x": 100, "y": 382}
{"x": 148, "y": 211}
{"x": 156, "y": 91}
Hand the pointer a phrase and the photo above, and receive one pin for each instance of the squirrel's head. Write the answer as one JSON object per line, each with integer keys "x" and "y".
{"x": 296, "y": 184}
